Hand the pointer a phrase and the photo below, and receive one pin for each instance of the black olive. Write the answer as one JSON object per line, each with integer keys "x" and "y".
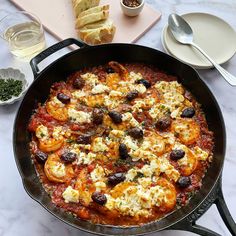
{"x": 116, "y": 178}
{"x": 145, "y": 82}
{"x": 163, "y": 123}
{"x": 68, "y": 157}
{"x": 79, "y": 83}
{"x": 176, "y": 154}
{"x": 40, "y": 156}
{"x": 184, "y": 181}
{"x": 136, "y": 133}
{"x": 123, "y": 151}
{"x": 97, "y": 116}
{"x": 110, "y": 70}
{"x": 99, "y": 198}
{"x": 132, "y": 95}
{"x": 188, "y": 112}
{"x": 115, "y": 116}
{"x": 63, "y": 98}
{"x": 84, "y": 139}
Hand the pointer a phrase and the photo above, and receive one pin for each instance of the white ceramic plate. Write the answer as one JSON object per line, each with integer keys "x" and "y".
{"x": 15, "y": 74}
{"x": 211, "y": 33}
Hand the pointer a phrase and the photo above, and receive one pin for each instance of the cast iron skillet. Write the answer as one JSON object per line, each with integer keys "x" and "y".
{"x": 86, "y": 56}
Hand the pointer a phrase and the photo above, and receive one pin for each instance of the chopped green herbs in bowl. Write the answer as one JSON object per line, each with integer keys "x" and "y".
{"x": 12, "y": 85}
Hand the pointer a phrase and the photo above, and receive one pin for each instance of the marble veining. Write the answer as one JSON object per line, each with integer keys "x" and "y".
{"x": 21, "y": 216}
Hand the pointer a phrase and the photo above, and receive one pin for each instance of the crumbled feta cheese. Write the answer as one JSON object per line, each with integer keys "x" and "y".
{"x": 153, "y": 143}
{"x": 172, "y": 96}
{"x": 97, "y": 174}
{"x": 79, "y": 116}
{"x": 173, "y": 99}
{"x": 100, "y": 88}
{"x": 111, "y": 102}
{"x": 159, "y": 110}
{"x": 71, "y": 195}
{"x": 184, "y": 161}
{"x": 140, "y": 88}
{"x": 130, "y": 143}
{"x": 145, "y": 182}
{"x": 79, "y": 94}
{"x": 138, "y": 200}
{"x": 133, "y": 77}
{"x": 58, "y": 170}
{"x": 142, "y": 154}
{"x": 56, "y": 102}
{"x": 89, "y": 158}
{"x": 200, "y": 154}
{"x": 162, "y": 165}
{"x": 175, "y": 113}
{"x": 169, "y": 138}
{"x": 183, "y": 129}
{"x": 82, "y": 157}
{"x": 141, "y": 104}
{"x": 130, "y": 119}
{"x": 172, "y": 86}
{"x": 116, "y": 135}
{"x": 98, "y": 145}
{"x": 58, "y": 132}
{"x": 42, "y": 132}
{"x": 159, "y": 146}
{"x": 100, "y": 186}
{"x": 90, "y": 79}
{"x": 146, "y": 170}
{"x": 115, "y": 93}
{"x": 130, "y": 175}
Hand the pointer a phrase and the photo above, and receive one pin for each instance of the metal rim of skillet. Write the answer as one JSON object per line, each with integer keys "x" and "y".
{"x": 87, "y": 56}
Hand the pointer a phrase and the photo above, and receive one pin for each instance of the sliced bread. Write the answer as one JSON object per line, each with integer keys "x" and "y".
{"x": 82, "y": 5}
{"x": 97, "y": 33}
{"x": 91, "y": 18}
{"x": 94, "y": 10}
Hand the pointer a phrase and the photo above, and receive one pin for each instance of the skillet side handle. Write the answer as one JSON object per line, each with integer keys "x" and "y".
{"x": 49, "y": 51}
{"x": 215, "y": 197}
{"x": 224, "y": 212}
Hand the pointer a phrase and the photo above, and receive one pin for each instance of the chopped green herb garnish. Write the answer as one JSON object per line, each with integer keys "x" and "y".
{"x": 10, "y": 88}
{"x": 139, "y": 175}
{"x": 70, "y": 140}
{"x": 124, "y": 162}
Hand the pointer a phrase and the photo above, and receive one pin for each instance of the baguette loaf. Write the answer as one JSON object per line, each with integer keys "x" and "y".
{"x": 101, "y": 32}
{"x": 91, "y": 18}
{"x": 82, "y": 5}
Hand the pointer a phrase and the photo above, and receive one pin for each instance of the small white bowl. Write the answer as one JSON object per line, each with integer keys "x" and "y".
{"x": 132, "y": 11}
{"x": 15, "y": 74}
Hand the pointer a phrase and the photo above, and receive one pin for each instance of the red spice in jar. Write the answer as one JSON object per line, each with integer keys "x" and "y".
{"x": 131, "y": 3}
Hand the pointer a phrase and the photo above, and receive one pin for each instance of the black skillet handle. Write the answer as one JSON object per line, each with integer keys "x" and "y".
{"x": 216, "y": 197}
{"x": 224, "y": 212}
{"x": 54, "y": 48}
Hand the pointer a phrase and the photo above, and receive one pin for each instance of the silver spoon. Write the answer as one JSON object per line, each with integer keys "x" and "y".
{"x": 183, "y": 33}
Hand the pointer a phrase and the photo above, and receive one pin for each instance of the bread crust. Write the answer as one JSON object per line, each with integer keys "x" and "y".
{"x": 94, "y": 10}
{"x": 103, "y": 34}
{"x": 82, "y": 5}
{"x": 91, "y": 18}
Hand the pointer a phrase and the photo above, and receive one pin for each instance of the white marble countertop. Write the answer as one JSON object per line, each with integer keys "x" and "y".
{"x": 21, "y": 216}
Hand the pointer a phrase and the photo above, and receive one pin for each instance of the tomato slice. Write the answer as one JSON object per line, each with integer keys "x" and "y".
{"x": 34, "y": 123}
{"x": 75, "y": 127}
